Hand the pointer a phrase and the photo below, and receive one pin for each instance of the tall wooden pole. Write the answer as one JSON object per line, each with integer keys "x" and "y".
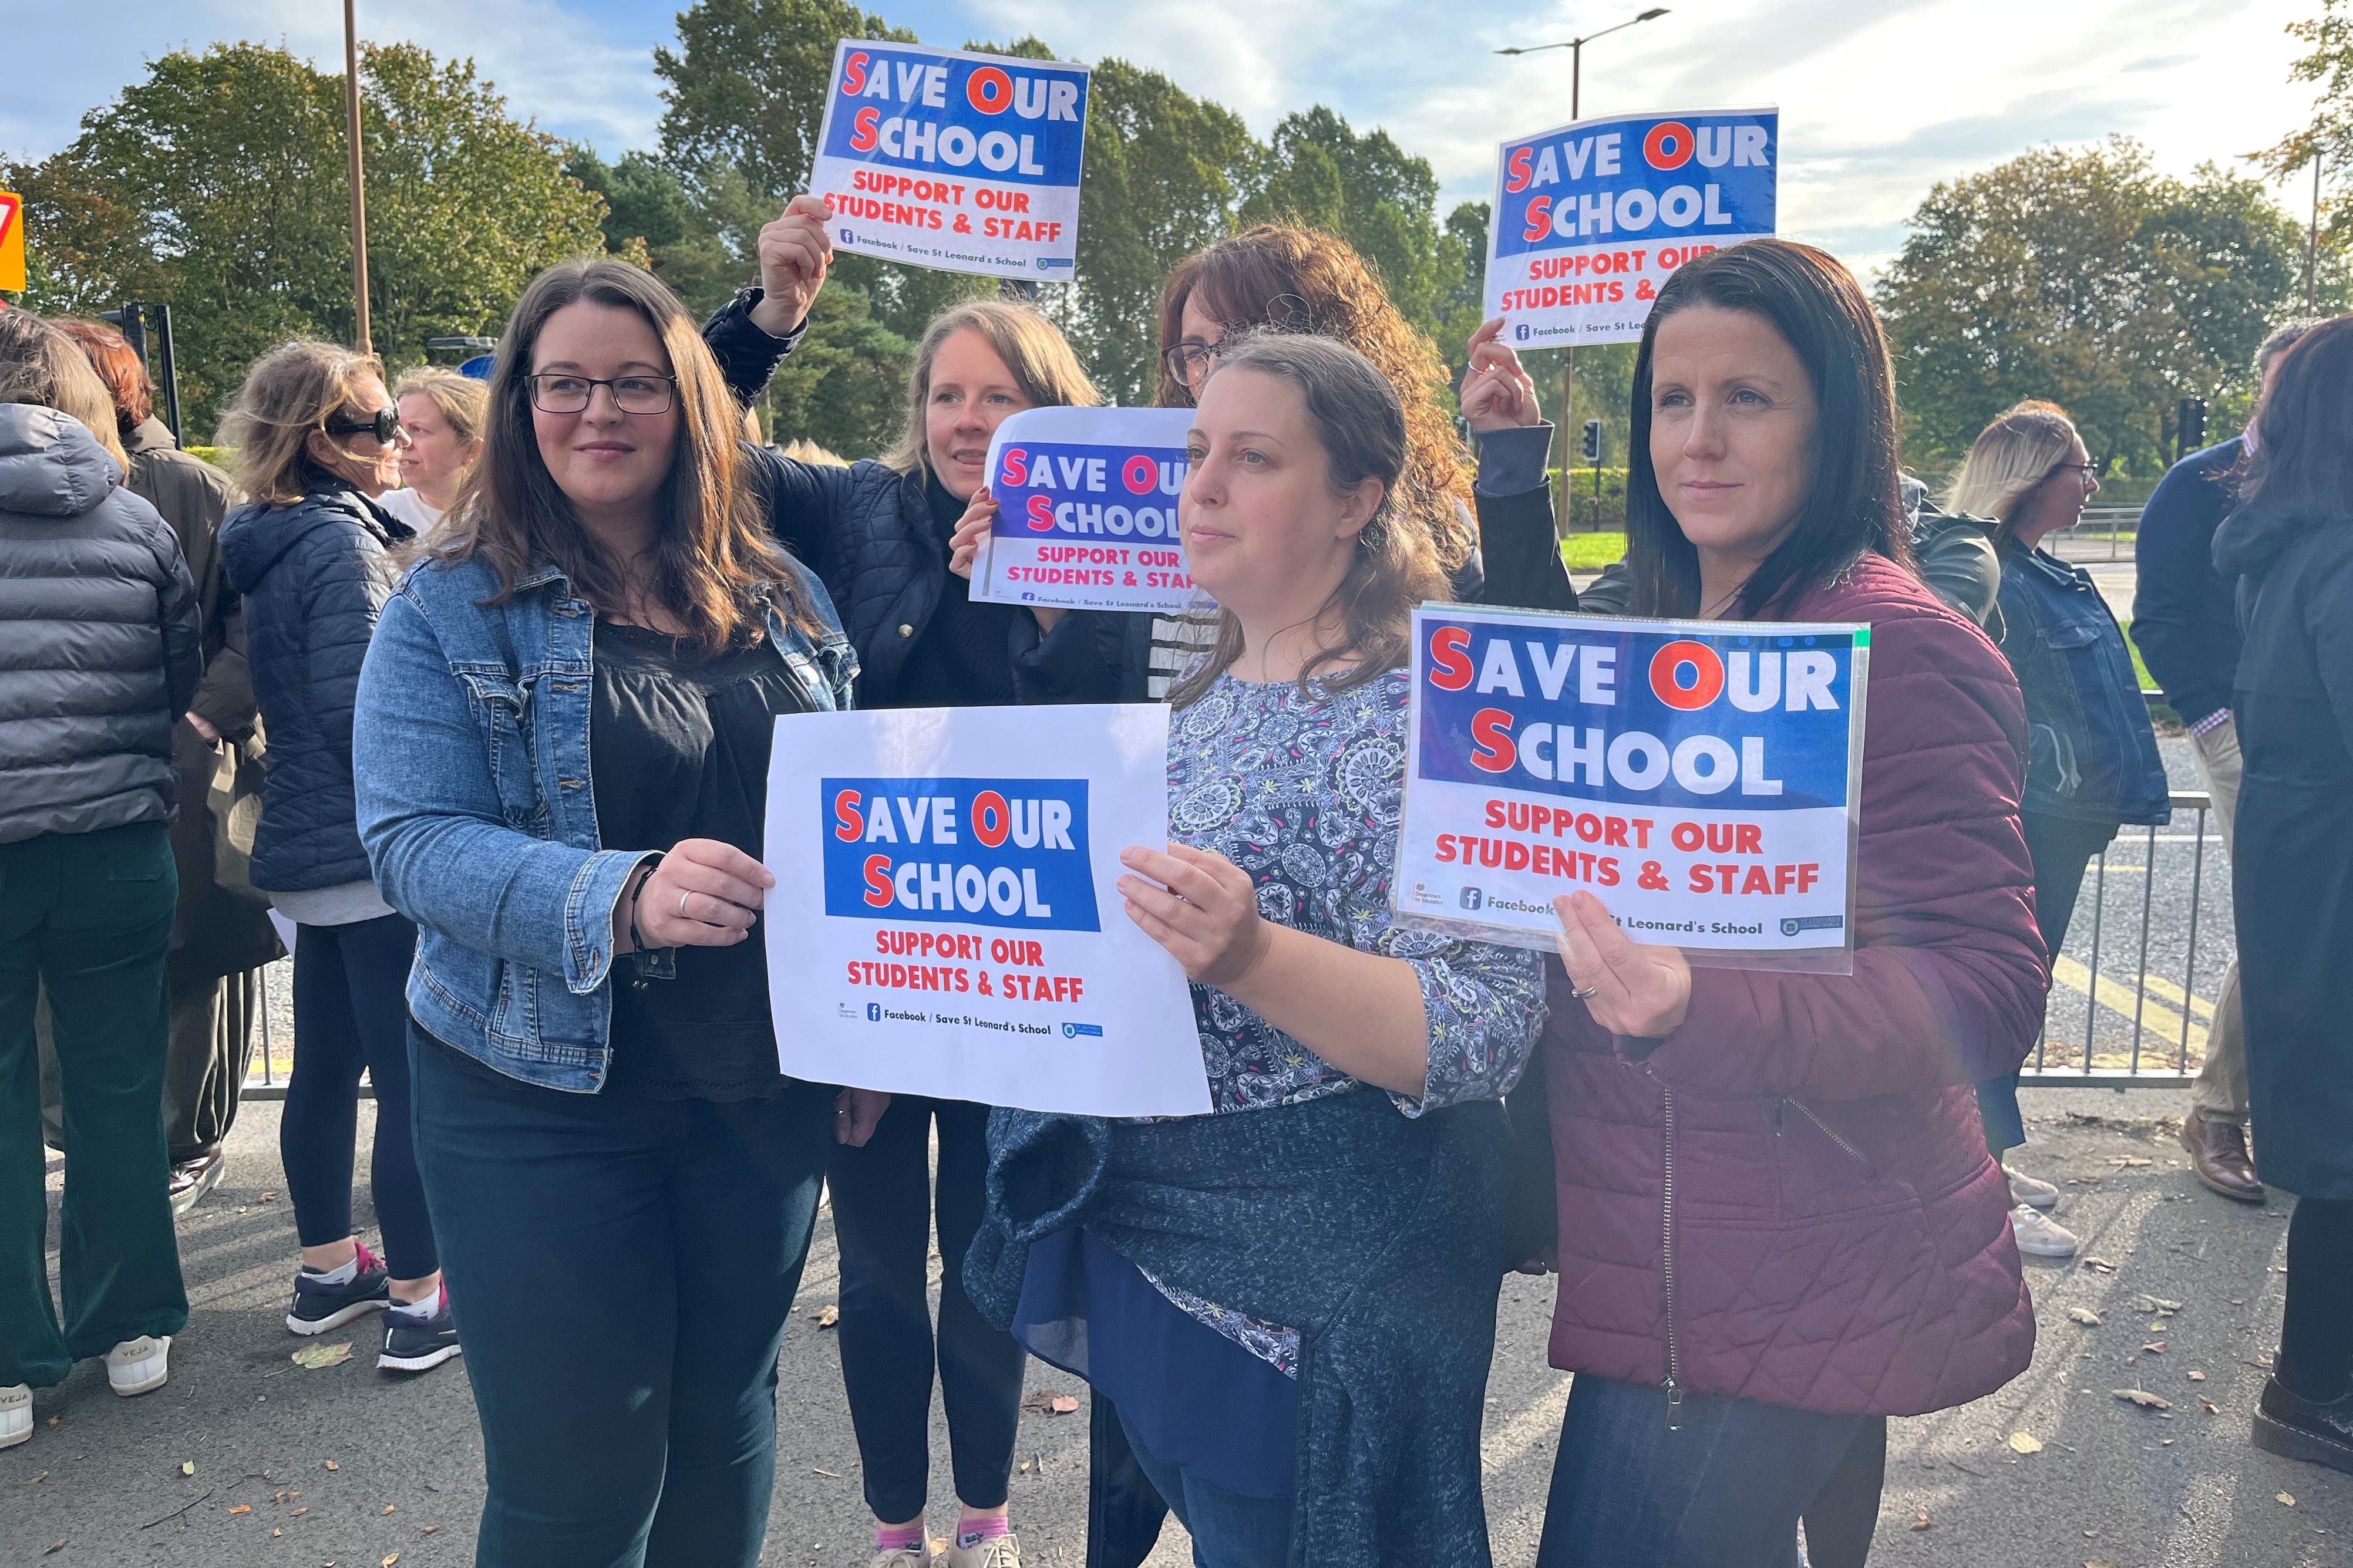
{"x": 360, "y": 335}
{"x": 2312, "y": 244}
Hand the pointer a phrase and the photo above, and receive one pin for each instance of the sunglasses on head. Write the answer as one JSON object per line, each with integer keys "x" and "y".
{"x": 384, "y": 427}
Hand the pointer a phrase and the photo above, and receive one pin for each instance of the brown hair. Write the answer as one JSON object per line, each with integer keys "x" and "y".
{"x": 1032, "y": 348}
{"x": 1289, "y": 280}
{"x": 39, "y": 365}
{"x": 2303, "y": 467}
{"x": 464, "y": 402}
{"x": 2010, "y": 460}
{"x": 714, "y": 559}
{"x": 292, "y": 391}
{"x": 1358, "y": 419}
{"x": 118, "y": 365}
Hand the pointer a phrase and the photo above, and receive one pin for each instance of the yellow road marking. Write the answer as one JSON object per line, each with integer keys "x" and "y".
{"x": 2156, "y": 1019}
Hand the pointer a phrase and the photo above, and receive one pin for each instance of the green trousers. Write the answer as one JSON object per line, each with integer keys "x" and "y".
{"x": 88, "y": 917}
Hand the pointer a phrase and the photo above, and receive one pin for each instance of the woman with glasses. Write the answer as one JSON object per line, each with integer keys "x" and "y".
{"x": 2094, "y": 765}
{"x": 317, "y": 440}
{"x": 567, "y": 717}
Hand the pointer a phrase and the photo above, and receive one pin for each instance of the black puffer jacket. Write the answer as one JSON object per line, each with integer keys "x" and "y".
{"x": 314, "y": 577}
{"x": 98, "y": 635}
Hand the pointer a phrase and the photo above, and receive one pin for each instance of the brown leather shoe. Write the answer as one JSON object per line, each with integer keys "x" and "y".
{"x": 2217, "y": 1153}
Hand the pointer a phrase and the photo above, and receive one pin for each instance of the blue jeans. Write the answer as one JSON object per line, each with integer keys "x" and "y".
{"x": 621, "y": 1269}
{"x": 1228, "y": 1529}
{"x": 1727, "y": 1486}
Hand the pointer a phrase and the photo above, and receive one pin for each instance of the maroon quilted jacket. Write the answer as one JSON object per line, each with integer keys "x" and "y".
{"x": 1789, "y": 1199}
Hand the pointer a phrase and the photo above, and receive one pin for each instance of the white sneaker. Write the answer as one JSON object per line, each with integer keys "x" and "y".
{"x": 2040, "y": 1236}
{"x": 16, "y": 1415}
{"x": 904, "y": 1557}
{"x": 997, "y": 1551}
{"x": 2033, "y": 1193}
{"x": 135, "y": 1366}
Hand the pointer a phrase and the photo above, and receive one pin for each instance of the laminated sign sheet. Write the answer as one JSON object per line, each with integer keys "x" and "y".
{"x": 1591, "y": 217}
{"x": 961, "y": 162}
{"x": 946, "y": 919}
{"x": 1086, "y": 510}
{"x": 1700, "y": 778}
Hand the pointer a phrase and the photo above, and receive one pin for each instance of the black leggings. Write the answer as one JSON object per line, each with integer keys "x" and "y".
{"x": 882, "y": 1207}
{"x": 2316, "y": 1359}
{"x": 351, "y": 1014}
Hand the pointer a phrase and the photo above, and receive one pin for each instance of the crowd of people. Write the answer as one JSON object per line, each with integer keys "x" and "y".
{"x": 512, "y": 654}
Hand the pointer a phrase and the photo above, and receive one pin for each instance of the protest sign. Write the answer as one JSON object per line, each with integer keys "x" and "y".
{"x": 1590, "y": 219}
{"x": 12, "y": 241}
{"x": 1086, "y": 510}
{"x": 1699, "y": 777}
{"x": 946, "y": 919}
{"x": 961, "y": 162}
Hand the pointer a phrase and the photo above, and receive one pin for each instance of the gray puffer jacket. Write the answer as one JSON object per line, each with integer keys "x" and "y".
{"x": 98, "y": 635}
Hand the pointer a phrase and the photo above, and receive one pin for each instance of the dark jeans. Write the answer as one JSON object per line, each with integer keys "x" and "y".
{"x": 86, "y": 916}
{"x": 882, "y": 1209}
{"x": 1727, "y": 1486}
{"x": 2316, "y": 1359}
{"x": 1228, "y": 1529}
{"x": 621, "y": 1269}
{"x": 209, "y": 1042}
{"x": 2060, "y": 849}
{"x": 350, "y": 1015}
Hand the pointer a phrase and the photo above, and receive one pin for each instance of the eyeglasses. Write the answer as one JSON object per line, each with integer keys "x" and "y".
{"x": 631, "y": 393}
{"x": 383, "y": 425}
{"x": 1189, "y": 361}
{"x": 2085, "y": 473}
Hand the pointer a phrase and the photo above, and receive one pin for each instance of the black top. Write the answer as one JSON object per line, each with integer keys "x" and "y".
{"x": 2183, "y": 620}
{"x": 963, "y": 657}
{"x": 679, "y": 749}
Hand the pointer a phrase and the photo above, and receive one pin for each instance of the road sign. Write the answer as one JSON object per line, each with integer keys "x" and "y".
{"x": 12, "y": 242}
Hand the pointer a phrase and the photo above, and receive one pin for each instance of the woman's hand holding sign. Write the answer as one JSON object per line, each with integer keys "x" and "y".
{"x": 964, "y": 547}
{"x": 795, "y": 252}
{"x": 705, "y": 893}
{"x": 1205, "y": 912}
{"x": 1632, "y": 989}
{"x": 1497, "y": 393}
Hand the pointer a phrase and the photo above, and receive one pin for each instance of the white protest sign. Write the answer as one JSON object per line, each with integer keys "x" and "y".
{"x": 960, "y": 162}
{"x": 1699, "y": 777}
{"x": 1591, "y": 217}
{"x": 946, "y": 919}
{"x": 1086, "y": 512}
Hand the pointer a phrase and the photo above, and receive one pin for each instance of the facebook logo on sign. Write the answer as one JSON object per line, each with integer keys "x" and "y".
{"x": 874, "y": 1012}
{"x": 1474, "y": 897}
{"x": 1523, "y": 332}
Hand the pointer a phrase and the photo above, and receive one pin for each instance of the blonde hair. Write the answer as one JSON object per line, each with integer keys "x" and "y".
{"x": 807, "y": 451}
{"x": 290, "y": 392}
{"x": 39, "y": 365}
{"x": 463, "y": 402}
{"x": 1032, "y": 348}
{"x": 2009, "y": 457}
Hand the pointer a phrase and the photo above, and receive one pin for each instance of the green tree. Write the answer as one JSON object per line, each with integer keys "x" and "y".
{"x": 219, "y": 183}
{"x": 2086, "y": 278}
{"x": 2329, "y": 135}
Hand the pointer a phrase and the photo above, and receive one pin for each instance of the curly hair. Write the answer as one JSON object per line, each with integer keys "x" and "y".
{"x": 1283, "y": 278}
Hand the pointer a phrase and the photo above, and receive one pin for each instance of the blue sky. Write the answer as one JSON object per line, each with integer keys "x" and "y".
{"x": 1880, "y": 99}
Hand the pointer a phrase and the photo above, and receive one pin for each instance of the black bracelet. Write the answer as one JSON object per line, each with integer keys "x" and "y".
{"x": 645, "y": 874}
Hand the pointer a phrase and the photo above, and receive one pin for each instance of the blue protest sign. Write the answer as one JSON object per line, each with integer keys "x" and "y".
{"x": 961, "y": 162}
{"x": 1591, "y": 217}
{"x": 1699, "y": 777}
{"x": 1086, "y": 510}
{"x": 994, "y": 852}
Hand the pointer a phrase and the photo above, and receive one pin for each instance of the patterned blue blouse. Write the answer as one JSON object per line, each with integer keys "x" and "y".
{"x": 1305, "y": 793}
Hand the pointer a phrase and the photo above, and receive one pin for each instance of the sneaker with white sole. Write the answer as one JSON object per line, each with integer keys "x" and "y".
{"x": 904, "y": 1557}
{"x": 134, "y": 1366}
{"x": 2033, "y": 1193}
{"x": 319, "y": 1306}
{"x": 16, "y": 1415}
{"x": 997, "y": 1551}
{"x": 2040, "y": 1236}
{"x": 418, "y": 1337}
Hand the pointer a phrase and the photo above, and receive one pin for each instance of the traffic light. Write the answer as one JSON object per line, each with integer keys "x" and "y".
{"x": 1593, "y": 440}
{"x": 2189, "y": 428}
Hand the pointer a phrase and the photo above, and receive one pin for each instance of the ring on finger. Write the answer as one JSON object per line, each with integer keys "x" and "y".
{"x": 682, "y": 905}
{"x": 1586, "y": 992}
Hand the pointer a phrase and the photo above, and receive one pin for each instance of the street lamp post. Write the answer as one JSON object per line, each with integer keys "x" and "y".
{"x": 1576, "y": 48}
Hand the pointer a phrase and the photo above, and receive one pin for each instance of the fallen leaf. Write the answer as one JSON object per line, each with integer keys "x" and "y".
{"x": 55, "y": 1419}
{"x": 2100, "y": 1563}
{"x": 1065, "y": 1405}
{"x": 2212, "y": 1408}
{"x": 2142, "y": 1397}
{"x": 2126, "y": 1160}
{"x": 241, "y": 1508}
{"x": 430, "y": 1530}
{"x": 270, "y": 1198}
{"x": 2025, "y": 1443}
{"x": 275, "y": 1534}
{"x": 2086, "y": 1316}
{"x": 317, "y": 1357}
{"x": 2156, "y": 1304}
{"x": 2286, "y": 1498}
{"x": 826, "y": 1317}
{"x": 828, "y": 1475}
{"x": 2165, "y": 1442}
{"x": 2100, "y": 1264}
{"x": 285, "y": 1497}
{"x": 1042, "y": 1402}
{"x": 387, "y": 1508}
{"x": 2155, "y": 1348}
{"x": 1025, "y": 1467}
{"x": 1920, "y": 1521}
{"x": 300, "y": 1511}
{"x": 187, "y": 1466}
{"x": 332, "y": 1466}
{"x": 2091, "y": 1535}
{"x": 2195, "y": 1376}
{"x": 32, "y": 1480}
{"x": 53, "y": 1546}
{"x": 389, "y": 1558}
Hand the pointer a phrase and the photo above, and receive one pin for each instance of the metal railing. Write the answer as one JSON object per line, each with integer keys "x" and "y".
{"x": 2113, "y": 528}
{"x": 2165, "y": 1043}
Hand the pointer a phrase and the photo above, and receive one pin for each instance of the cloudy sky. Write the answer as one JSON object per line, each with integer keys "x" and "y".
{"x": 1880, "y": 99}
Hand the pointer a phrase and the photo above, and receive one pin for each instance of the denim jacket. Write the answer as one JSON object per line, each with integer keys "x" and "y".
{"x": 2092, "y": 754}
{"x": 471, "y": 758}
